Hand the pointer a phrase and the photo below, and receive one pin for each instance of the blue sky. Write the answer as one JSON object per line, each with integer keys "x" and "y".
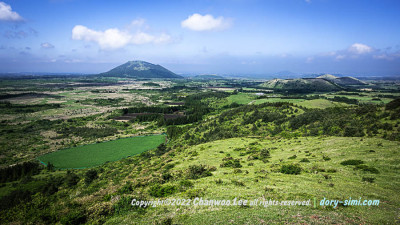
{"x": 359, "y": 37}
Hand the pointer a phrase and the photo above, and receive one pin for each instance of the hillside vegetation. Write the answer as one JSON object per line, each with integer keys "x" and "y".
{"x": 243, "y": 143}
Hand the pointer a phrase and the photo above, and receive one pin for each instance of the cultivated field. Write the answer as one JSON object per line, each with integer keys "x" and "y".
{"x": 96, "y": 154}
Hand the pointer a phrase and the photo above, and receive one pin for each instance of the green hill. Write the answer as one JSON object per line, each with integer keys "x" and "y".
{"x": 309, "y": 84}
{"x": 140, "y": 69}
{"x": 342, "y": 80}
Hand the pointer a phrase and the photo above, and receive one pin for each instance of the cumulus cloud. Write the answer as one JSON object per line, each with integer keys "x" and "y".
{"x": 6, "y": 13}
{"x": 115, "y": 38}
{"x": 46, "y": 45}
{"x": 207, "y": 22}
{"x": 359, "y": 49}
{"x": 108, "y": 39}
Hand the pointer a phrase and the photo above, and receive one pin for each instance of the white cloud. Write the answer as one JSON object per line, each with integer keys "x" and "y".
{"x": 340, "y": 57}
{"x": 6, "y": 13}
{"x": 47, "y": 45}
{"x": 115, "y": 38}
{"x": 359, "y": 49}
{"x": 138, "y": 22}
{"x": 308, "y": 1}
{"x": 198, "y": 22}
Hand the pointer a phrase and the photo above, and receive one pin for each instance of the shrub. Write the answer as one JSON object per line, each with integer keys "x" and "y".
{"x": 331, "y": 171}
{"x": 219, "y": 181}
{"x": 71, "y": 179}
{"x": 90, "y": 175}
{"x": 74, "y": 217}
{"x": 293, "y": 157}
{"x": 185, "y": 184}
{"x": 290, "y": 169}
{"x": 168, "y": 167}
{"x": 368, "y": 179}
{"x": 161, "y": 150}
{"x": 237, "y": 171}
{"x": 194, "y": 193}
{"x": 198, "y": 171}
{"x": 305, "y": 160}
{"x": 124, "y": 205}
{"x": 166, "y": 221}
{"x": 264, "y": 153}
{"x": 126, "y": 189}
{"x": 326, "y": 158}
{"x": 267, "y": 189}
{"x": 326, "y": 176}
{"x": 352, "y": 162}
{"x": 166, "y": 176}
{"x": 162, "y": 190}
{"x": 234, "y": 163}
{"x": 238, "y": 183}
{"x": 366, "y": 168}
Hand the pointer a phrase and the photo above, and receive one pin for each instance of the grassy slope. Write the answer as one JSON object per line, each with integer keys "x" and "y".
{"x": 343, "y": 184}
{"x": 93, "y": 155}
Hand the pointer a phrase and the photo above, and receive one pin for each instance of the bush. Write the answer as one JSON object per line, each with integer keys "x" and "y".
{"x": 366, "y": 168}
{"x": 368, "y": 179}
{"x": 166, "y": 177}
{"x": 123, "y": 205}
{"x": 264, "y": 154}
{"x": 161, "y": 150}
{"x": 219, "y": 181}
{"x": 71, "y": 179}
{"x": 194, "y": 193}
{"x": 72, "y": 218}
{"x": 326, "y": 158}
{"x": 230, "y": 162}
{"x": 185, "y": 184}
{"x": 237, "y": 171}
{"x": 290, "y": 169}
{"x": 197, "y": 171}
{"x": 293, "y": 157}
{"x": 305, "y": 160}
{"x": 126, "y": 189}
{"x": 90, "y": 175}
{"x": 166, "y": 221}
{"x": 162, "y": 191}
{"x": 352, "y": 162}
{"x": 331, "y": 171}
{"x": 238, "y": 183}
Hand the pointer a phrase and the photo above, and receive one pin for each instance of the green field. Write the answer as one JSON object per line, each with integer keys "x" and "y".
{"x": 97, "y": 154}
{"x": 320, "y": 104}
{"x": 241, "y": 98}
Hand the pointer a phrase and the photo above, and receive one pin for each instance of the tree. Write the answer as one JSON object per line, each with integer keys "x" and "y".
{"x": 71, "y": 179}
{"x": 90, "y": 175}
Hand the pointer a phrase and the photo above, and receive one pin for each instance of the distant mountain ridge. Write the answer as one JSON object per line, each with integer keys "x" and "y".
{"x": 325, "y": 82}
{"x": 140, "y": 69}
{"x": 306, "y": 84}
{"x": 208, "y": 77}
{"x": 342, "y": 80}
